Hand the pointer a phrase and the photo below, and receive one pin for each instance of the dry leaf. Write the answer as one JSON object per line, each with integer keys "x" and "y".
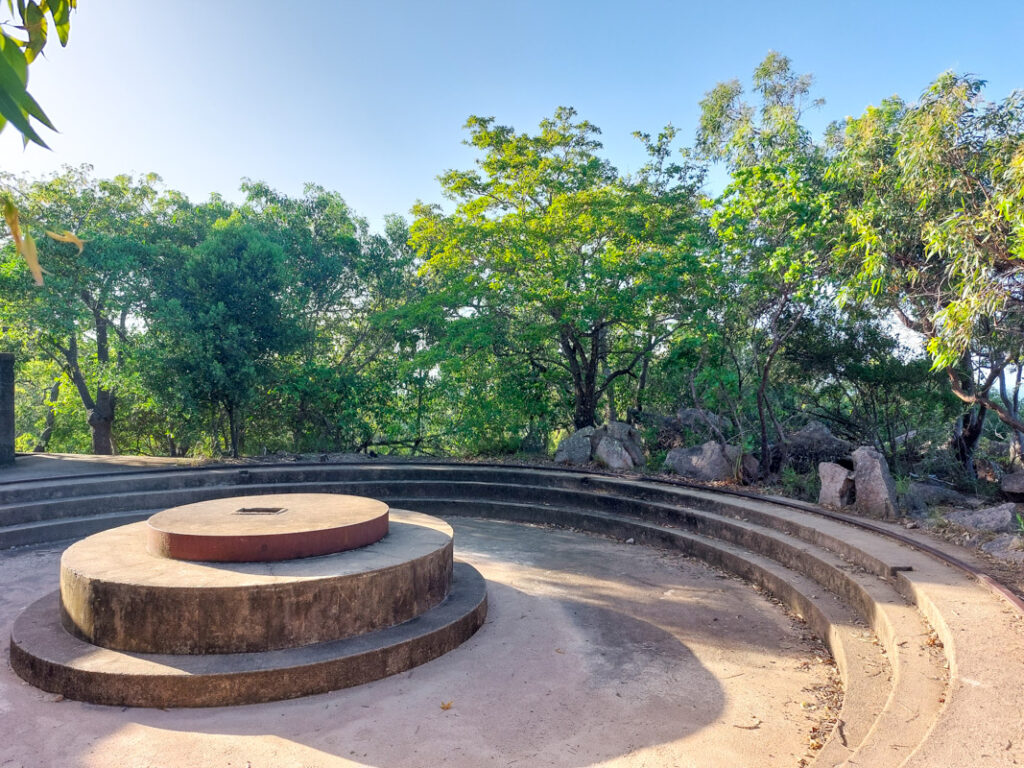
{"x": 446, "y": 705}
{"x": 11, "y": 215}
{"x": 68, "y": 237}
{"x": 28, "y": 250}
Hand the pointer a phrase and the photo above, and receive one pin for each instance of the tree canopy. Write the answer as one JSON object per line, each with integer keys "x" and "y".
{"x": 549, "y": 291}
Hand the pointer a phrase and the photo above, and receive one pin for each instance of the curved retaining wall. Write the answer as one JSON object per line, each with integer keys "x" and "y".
{"x": 955, "y": 650}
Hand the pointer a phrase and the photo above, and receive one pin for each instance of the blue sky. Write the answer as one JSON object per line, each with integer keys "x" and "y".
{"x": 369, "y": 98}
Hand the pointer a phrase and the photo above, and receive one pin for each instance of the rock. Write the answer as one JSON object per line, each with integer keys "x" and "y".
{"x": 874, "y": 490}
{"x": 1006, "y": 546}
{"x": 680, "y": 430}
{"x": 627, "y": 436}
{"x": 813, "y": 444}
{"x": 707, "y": 462}
{"x": 931, "y": 495}
{"x": 750, "y": 468}
{"x": 1013, "y": 485}
{"x": 1001, "y": 519}
{"x": 836, "y": 485}
{"x": 612, "y": 454}
{"x": 697, "y": 420}
{"x": 616, "y": 445}
{"x": 576, "y": 448}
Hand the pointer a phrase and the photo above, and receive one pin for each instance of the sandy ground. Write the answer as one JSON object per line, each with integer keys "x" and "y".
{"x": 594, "y": 653}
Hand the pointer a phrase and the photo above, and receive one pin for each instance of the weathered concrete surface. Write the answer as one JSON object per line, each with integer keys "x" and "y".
{"x": 277, "y": 526}
{"x": 117, "y": 595}
{"x": 49, "y": 658}
{"x": 594, "y": 654}
{"x": 6, "y": 409}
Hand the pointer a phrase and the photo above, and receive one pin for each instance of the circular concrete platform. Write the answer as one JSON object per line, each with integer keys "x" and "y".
{"x": 117, "y": 595}
{"x": 51, "y": 659}
{"x": 594, "y": 653}
{"x": 265, "y": 528}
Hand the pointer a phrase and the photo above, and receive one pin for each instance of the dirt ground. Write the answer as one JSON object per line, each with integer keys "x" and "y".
{"x": 594, "y": 653}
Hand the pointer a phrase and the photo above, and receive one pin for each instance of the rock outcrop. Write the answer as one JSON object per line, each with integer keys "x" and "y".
{"x": 615, "y": 445}
{"x": 1013, "y": 485}
{"x": 1000, "y": 519}
{"x": 708, "y": 462}
{"x": 814, "y": 444}
{"x": 837, "y": 485}
{"x": 576, "y": 448}
{"x": 874, "y": 489}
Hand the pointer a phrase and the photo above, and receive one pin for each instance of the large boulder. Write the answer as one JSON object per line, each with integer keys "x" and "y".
{"x": 1006, "y": 546}
{"x": 750, "y": 468}
{"x": 813, "y": 444}
{"x": 874, "y": 490}
{"x": 1013, "y": 485}
{"x": 933, "y": 494}
{"x": 707, "y": 462}
{"x": 576, "y": 448}
{"x": 627, "y": 436}
{"x": 615, "y": 445}
{"x": 1001, "y": 519}
{"x": 701, "y": 420}
{"x": 612, "y": 454}
{"x": 836, "y": 485}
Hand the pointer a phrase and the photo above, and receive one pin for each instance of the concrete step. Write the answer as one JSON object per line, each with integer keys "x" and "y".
{"x": 55, "y": 661}
{"x": 986, "y": 666}
{"x": 116, "y": 594}
{"x": 917, "y": 679}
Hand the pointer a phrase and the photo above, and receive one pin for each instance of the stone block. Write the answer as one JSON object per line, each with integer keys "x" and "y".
{"x": 836, "y": 485}
{"x": 875, "y": 491}
{"x": 612, "y": 454}
{"x": 576, "y": 448}
{"x": 708, "y": 462}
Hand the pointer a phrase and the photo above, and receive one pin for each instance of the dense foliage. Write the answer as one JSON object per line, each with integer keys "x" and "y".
{"x": 552, "y": 293}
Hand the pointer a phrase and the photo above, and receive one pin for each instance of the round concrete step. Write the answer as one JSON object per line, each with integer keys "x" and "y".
{"x": 115, "y": 594}
{"x": 244, "y": 529}
{"x": 49, "y": 658}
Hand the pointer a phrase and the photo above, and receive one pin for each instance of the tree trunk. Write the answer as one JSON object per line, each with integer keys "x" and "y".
{"x": 583, "y": 368}
{"x": 641, "y": 386}
{"x": 102, "y": 441}
{"x": 233, "y": 429}
{"x": 51, "y": 417}
{"x": 966, "y": 434}
{"x": 762, "y": 416}
{"x": 585, "y": 414}
{"x": 613, "y": 411}
{"x": 101, "y": 422}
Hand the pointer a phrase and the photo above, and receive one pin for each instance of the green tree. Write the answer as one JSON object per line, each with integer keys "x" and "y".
{"x": 346, "y": 283}
{"x": 557, "y": 262}
{"x": 218, "y": 318}
{"x": 80, "y": 317}
{"x": 772, "y": 222}
{"x": 934, "y": 231}
{"x": 849, "y": 370}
